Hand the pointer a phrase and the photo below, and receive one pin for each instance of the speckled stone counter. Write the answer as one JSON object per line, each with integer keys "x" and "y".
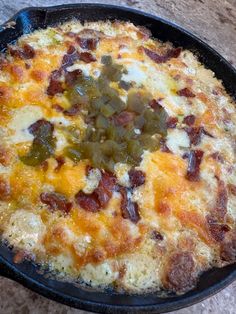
{"x": 212, "y": 20}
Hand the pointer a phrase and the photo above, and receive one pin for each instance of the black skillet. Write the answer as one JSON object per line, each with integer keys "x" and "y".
{"x": 26, "y": 273}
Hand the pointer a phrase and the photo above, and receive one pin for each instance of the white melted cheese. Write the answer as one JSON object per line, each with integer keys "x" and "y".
{"x": 92, "y": 180}
{"x": 99, "y": 275}
{"x": 22, "y": 119}
{"x": 135, "y": 74}
{"x": 25, "y": 230}
{"x": 177, "y": 141}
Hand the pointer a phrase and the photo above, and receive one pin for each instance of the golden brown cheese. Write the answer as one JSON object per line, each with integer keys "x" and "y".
{"x": 183, "y": 211}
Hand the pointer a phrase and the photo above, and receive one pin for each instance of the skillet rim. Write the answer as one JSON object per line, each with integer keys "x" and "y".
{"x": 10, "y": 270}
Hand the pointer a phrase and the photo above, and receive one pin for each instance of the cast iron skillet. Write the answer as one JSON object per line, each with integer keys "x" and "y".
{"x": 26, "y": 273}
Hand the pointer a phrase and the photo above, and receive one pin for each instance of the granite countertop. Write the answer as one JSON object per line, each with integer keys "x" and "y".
{"x": 214, "y": 22}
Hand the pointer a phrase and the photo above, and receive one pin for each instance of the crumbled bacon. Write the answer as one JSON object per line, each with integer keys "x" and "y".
{"x": 136, "y": 178}
{"x": 163, "y": 147}
{"x": 189, "y": 120}
{"x": 58, "y": 108}
{"x": 71, "y": 77}
{"x": 186, "y": 92}
{"x": 171, "y": 53}
{"x": 60, "y": 162}
{"x": 155, "y": 235}
{"x": 26, "y": 52}
{"x": 88, "y": 202}
{"x": 232, "y": 189}
{"x": 35, "y": 128}
{"x": 194, "y": 134}
{"x": 70, "y": 57}
{"x": 220, "y": 208}
{"x": 217, "y": 156}
{"x": 105, "y": 188}
{"x": 171, "y": 122}
{"x": 129, "y": 209}
{"x": 155, "y": 104}
{"x": 72, "y": 111}
{"x": 87, "y": 43}
{"x": 216, "y": 229}
{"x": 55, "y": 85}
{"x": 44, "y": 165}
{"x": 124, "y": 118}
{"x": 180, "y": 272}
{"x": 194, "y": 161}
{"x": 228, "y": 248}
{"x": 100, "y": 197}
{"x": 56, "y": 201}
{"x": 87, "y": 57}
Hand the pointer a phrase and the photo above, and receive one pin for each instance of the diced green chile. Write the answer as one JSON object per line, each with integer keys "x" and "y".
{"x": 43, "y": 145}
{"x": 107, "y": 141}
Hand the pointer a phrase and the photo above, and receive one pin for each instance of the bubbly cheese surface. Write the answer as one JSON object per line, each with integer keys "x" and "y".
{"x": 138, "y": 224}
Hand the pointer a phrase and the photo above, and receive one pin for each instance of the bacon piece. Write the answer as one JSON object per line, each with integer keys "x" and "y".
{"x": 44, "y": 165}
{"x": 232, "y": 189}
{"x": 155, "y": 235}
{"x": 70, "y": 57}
{"x": 88, "y": 202}
{"x": 136, "y": 178}
{"x": 36, "y": 127}
{"x": 164, "y": 148}
{"x": 220, "y": 208}
{"x": 60, "y": 162}
{"x": 71, "y": 77}
{"x": 155, "y": 104}
{"x": 194, "y": 161}
{"x": 5, "y": 190}
{"x": 217, "y": 156}
{"x": 58, "y": 108}
{"x": 105, "y": 188}
{"x": 87, "y": 43}
{"x": 186, "y": 92}
{"x": 55, "y": 85}
{"x": 56, "y": 201}
{"x": 72, "y": 111}
{"x": 171, "y": 122}
{"x": 100, "y": 197}
{"x": 129, "y": 209}
{"x": 87, "y": 57}
{"x": 216, "y": 229}
{"x": 189, "y": 120}
{"x": 180, "y": 272}
{"x": 228, "y": 249}
{"x": 194, "y": 134}
{"x": 171, "y": 53}
{"x": 124, "y": 118}
{"x": 26, "y": 52}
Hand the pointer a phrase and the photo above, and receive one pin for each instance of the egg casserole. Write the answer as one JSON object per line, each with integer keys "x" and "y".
{"x": 117, "y": 158}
